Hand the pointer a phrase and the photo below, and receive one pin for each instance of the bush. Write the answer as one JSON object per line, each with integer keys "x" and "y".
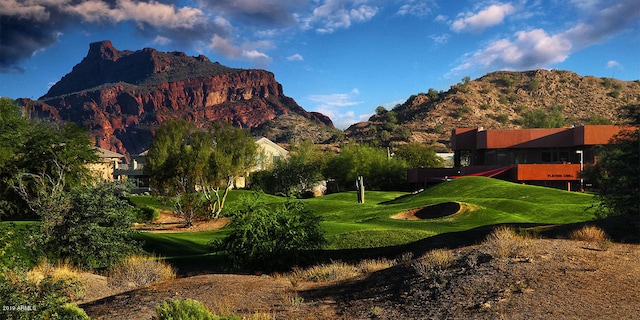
{"x": 44, "y": 292}
{"x": 92, "y": 231}
{"x": 504, "y": 243}
{"x": 139, "y": 271}
{"x": 146, "y": 214}
{"x": 270, "y": 237}
{"x": 502, "y": 118}
{"x": 183, "y": 309}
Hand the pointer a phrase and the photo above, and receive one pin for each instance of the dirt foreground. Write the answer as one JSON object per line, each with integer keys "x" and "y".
{"x": 558, "y": 279}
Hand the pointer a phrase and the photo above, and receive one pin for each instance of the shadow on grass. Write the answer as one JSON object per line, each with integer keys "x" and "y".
{"x": 619, "y": 229}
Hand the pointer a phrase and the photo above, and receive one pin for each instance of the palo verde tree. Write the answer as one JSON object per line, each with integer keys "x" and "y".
{"x": 196, "y": 168}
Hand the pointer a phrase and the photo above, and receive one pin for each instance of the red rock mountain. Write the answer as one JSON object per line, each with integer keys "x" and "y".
{"x": 121, "y": 96}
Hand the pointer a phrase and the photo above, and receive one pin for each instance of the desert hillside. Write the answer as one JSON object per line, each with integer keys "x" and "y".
{"x": 499, "y": 100}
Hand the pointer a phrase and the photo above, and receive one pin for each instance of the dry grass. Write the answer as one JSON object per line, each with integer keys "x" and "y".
{"x": 62, "y": 272}
{"x": 338, "y": 270}
{"x": 138, "y": 271}
{"x": 326, "y": 272}
{"x": 433, "y": 262}
{"x": 373, "y": 265}
{"x": 592, "y": 234}
{"x": 505, "y": 243}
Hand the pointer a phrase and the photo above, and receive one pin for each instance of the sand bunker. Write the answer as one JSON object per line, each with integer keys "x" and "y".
{"x": 431, "y": 212}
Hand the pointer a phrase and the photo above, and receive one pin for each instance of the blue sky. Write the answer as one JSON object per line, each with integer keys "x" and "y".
{"x": 343, "y": 58}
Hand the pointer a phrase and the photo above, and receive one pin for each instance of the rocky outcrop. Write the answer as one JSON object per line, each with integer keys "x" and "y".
{"x": 122, "y": 96}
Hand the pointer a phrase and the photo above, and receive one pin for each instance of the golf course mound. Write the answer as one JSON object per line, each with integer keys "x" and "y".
{"x": 434, "y": 211}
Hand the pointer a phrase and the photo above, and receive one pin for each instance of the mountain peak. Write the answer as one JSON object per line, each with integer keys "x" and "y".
{"x": 103, "y": 50}
{"x": 104, "y": 64}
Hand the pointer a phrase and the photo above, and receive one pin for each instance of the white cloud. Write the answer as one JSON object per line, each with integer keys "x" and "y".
{"x": 246, "y": 51}
{"x": 477, "y": 22}
{"x": 537, "y": 49}
{"x": 153, "y": 13}
{"x": 416, "y": 8}
{"x": 440, "y": 39}
{"x": 160, "y": 40}
{"x": 614, "y": 64}
{"x": 440, "y": 18}
{"x": 295, "y": 57}
{"x": 336, "y": 106}
{"x": 337, "y": 14}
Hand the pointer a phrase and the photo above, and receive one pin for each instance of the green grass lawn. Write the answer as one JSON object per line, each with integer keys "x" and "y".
{"x": 350, "y": 225}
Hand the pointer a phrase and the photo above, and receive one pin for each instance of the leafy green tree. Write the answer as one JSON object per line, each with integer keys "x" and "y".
{"x": 38, "y": 147}
{"x": 235, "y": 153}
{"x": 617, "y": 172}
{"x": 197, "y": 168}
{"x": 380, "y": 171}
{"x": 418, "y": 155}
{"x": 541, "y": 118}
{"x": 271, "y": 237}
{"x": 296, "y": 174}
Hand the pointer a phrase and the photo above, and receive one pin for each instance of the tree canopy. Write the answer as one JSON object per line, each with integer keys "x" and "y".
{"x": 380, "y": 171}
{"x": 417, "y": 155}
{"x": 296, "y": 174}
{"x": 30, "y": 146}
{"x": 617, "y": 172}
{"x": 193, "y": 166}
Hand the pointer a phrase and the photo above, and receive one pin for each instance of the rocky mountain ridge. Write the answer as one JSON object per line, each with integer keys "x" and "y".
{"x": 499, "y": 100}
{"x": 122, "y": 96}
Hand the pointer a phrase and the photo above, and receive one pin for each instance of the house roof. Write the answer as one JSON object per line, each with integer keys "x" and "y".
{"x": 263, "y": 140}
{"x": 104, "y": 153}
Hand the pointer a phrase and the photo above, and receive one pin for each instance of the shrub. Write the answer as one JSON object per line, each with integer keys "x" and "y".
{"x": 70, "y": 311}
{"x": 93, "y": 231}
{"x": 138, "y": 271}
{"x": 464, "y": 110}
{"x": 504, "y": 243}
{"x": 270, "y": 237}
{"x": 614, "y": 94}
{"x": 502, "y": 118}
{"x": 146, "y": 214}
{"x": 533, "y": 85}
{"x": 45, "y": 292}
{"x": 183, "y": 309}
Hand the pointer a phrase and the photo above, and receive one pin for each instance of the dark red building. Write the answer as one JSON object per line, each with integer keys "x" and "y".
{"x": 551, "y": 157}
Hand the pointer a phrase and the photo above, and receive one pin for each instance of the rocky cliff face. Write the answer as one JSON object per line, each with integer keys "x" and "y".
{"x": 121, "y": 96}
{"x": 499, "y": 100}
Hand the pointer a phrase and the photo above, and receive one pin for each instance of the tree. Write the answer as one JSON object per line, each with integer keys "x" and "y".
{"x": 296, "y": 174}
{"x": 541, "y": 118}
{"x": 418, "y": 155}
{"x": 271, "y": 237}
{"x": 235, "y": 153}
{"x": 38, "y": 147}
{"x": 617, "y": 172}
{"x": 380, "y": 171}
{"x": 196, "y": 168}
